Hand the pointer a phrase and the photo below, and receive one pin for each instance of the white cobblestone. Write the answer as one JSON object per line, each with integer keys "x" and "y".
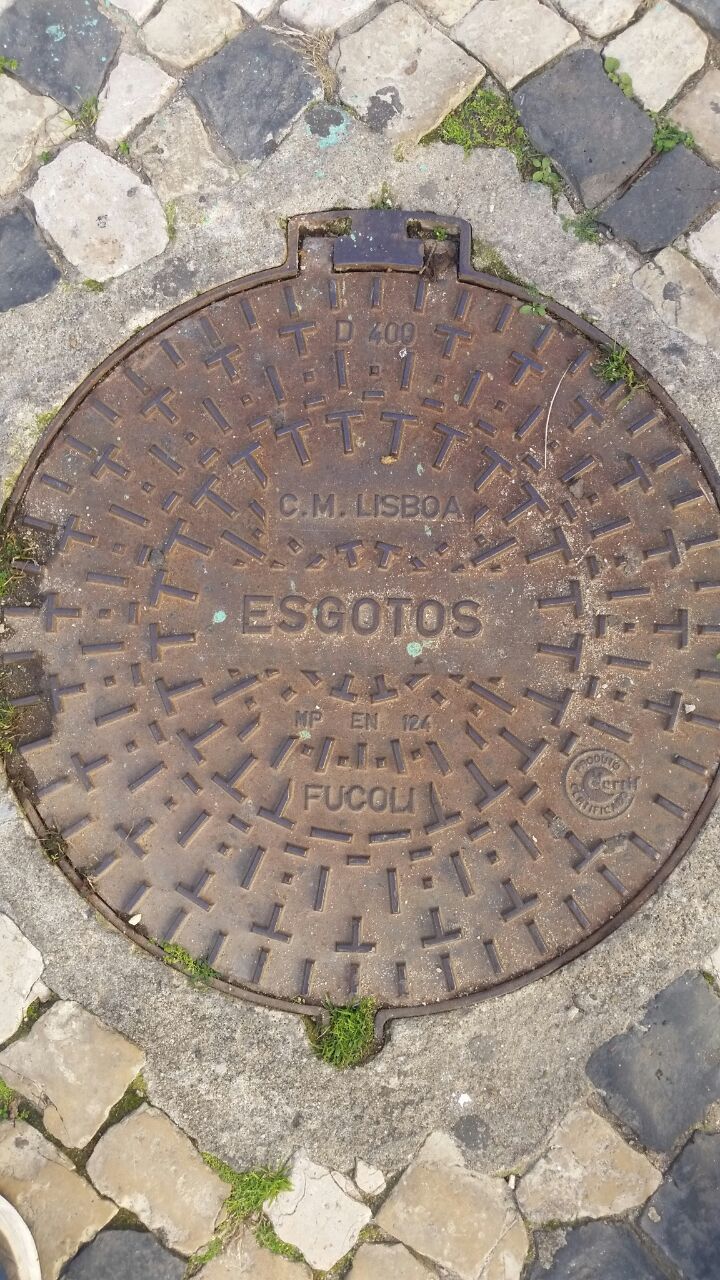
{"x": 659, "y": 53}
{"x": 319, "y": 1215}
{"x": 699, "y": 111}
{"x": 20, "y": 968}
{"x": 600, "y": 17}
{"x": 401, "y": 74}
{"x": 98, "y": 211}
{"x": 139, "y": 10}
{"x": 514, "y": 37}
{"x": 447, "y": 11}
{"x": 30, "y": 125}
{"x": 177, "y": 155}
{"x": 135, "y": 90}
{"x": 704, "y": 245}
{"x": 682, "y": 296}
{"x": 327, "y": 15}
{"x": 186, "y": 31}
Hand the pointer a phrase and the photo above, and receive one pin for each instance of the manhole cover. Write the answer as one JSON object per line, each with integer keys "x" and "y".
{"x": 374, "y": 644}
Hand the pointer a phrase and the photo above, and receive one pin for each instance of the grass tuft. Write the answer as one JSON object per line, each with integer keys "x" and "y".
{"x": 348, "y": 1036}
{"x": 249, "y": 1191}
{"x": 486, "y": 119}
{"x": 7, "y": 1097}
{"x": 53, "y": 844}
{"x": 178, "y": 956}
{"x": 383, "y": 199}
{"x": 9, "y": 726}
{"x": 266, "y": 1235}
{"x": 584, "y": 227}
{"x": 86, "y": 115}
{"x": 618, "y": 77}
{"x": 669, "y": 135}
{"x": 8, "y": 64}
{"x": 124, "y": 148}
{"x": 12, "y": 548}
{"x": 615, "y": 366}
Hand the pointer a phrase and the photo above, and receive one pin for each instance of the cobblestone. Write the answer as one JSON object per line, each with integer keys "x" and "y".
{"x": 254, "y": 91}
{"x": 592, "y": 131}
{"x": 588, "y": 1171}
{"x": 659, "y": 53}
{"x": 125, "y": 1255}
{"x": 514, "y": 37}
{"x": 600, "y": 17}
{"x": 699, "y": 112}
{"x": 325, "y": 15}
{"x": 401, "y": 75}
{"x": 135, "y": 90}
{"x": 320, "y": 1215}
{"x": 704, "y": 245}
{"x": 21, "y": 964}
{"x": 187, "y": 31}
{"x": 138, "y": 10}
{"x": 707, "y": 13}
{"x": 244, "y": 1257}
{"x": 73, "y": 1068}
{"x": 676, "y": 190}
{"x": 456, "y": 1218}
{"x": 151, "y": 1167}
{"x": 30, "y": 125}
{"x": 98, "y": 212}
{"x": 660, "y": 1077}
{"x": 600, "y": 1251}
{"x": 447, "y": 11}
{"x": 682, "y": 1216}
{"x": 177, "y": 155}
{"x": 370, "y": 1181}
{"x": 66, "y": 46}
{"x": 387, "y": 1262}
{"x": 60, "y": 1208}
{"x": 680, "y": 294}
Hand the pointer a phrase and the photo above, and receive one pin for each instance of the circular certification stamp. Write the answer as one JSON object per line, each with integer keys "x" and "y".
{"x": 599, "y": 783}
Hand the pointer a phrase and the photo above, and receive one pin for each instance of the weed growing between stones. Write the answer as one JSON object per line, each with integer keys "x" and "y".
{"x": 383, "y": 199}
{"x": 584, "y": 227}
{"x": 486, "y": 119}
{"x": 87, "y": 114}
{"x": 171, "y": 219}
{"x": 176, "y": 955}
{"x": 618, "y": 77}
{"x": 249, "y": 1191}
{"x": 8, "y": 64}
{"x": 53, "y": 845}
{"x": 616, "y": 366}
{"x": 9, "y": 725}
{"x": 95, "y": 286}
{"x": 347, "y": 1038}
{"x": 124, "y": 148}
{"x": 7, "y": 1097}
{"x": 12, "y": 548}
{"x": 533, "y": 309}
{"x": 669, "y": 135}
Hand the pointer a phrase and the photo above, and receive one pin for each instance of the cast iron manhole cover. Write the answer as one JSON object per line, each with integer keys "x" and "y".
{"x": 374, "y": 644}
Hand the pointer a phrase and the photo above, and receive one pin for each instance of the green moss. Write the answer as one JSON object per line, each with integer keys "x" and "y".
{"x": 383, "y": 199}
{"x": 133, "y": 1097}
{"x": 124, "y": 148}
{"x": 487, "y": 259}
{"x": 616, "y": 366}
{"x": 45, "y": 157}
{"x": 486, "y": 119}
{"x": 181, "y": 959}
{"x": 266, "y": 1235}
{"x": 207, "y": 1254}
{"x": 32, "y": 1013}
{"x": 618, "y": 77}
{"x": 669, "y": 135}
{"x": 347, "y": 1038}
{"x": 7, "y": 1097}
{"x": 584, "y": 227}
{"x": 8, "y": 64}
{"x": 43, "y": 420}
{"x": 171, "y": 218}
{"x": 95, "y": 286}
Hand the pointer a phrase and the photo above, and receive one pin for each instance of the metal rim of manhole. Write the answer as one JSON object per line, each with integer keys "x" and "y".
{"x": 364, "y": 637}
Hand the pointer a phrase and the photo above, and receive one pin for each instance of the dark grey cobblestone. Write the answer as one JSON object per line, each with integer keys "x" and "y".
{"x": 706, "y": 12}
{"x": 664, "y": 201}
{"x": 660, "y": 1077}
{"x": 64, "y": 47}
{"x": 600, "y": 1251}
{"x": 575, "y": 114}
{"x": 253, "y": 91}
{"x": 26, "y": 269}
{"x": 125, "y": 1255}
{"x": 682, "y": 1217}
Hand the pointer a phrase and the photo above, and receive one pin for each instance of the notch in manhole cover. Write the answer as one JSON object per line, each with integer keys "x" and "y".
{"x": 373, "y": 649}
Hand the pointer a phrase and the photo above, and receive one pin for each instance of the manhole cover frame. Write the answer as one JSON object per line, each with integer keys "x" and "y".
{"x": 387, "y": 230}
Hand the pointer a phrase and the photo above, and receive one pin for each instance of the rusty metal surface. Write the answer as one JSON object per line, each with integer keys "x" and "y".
{"x": 374, "y": 645}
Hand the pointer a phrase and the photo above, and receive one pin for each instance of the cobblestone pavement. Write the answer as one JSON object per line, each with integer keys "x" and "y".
{"x": 150, "y": 149}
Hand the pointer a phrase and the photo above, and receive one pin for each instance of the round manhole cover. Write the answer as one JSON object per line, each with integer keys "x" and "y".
{"x": 373, "y": 647}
